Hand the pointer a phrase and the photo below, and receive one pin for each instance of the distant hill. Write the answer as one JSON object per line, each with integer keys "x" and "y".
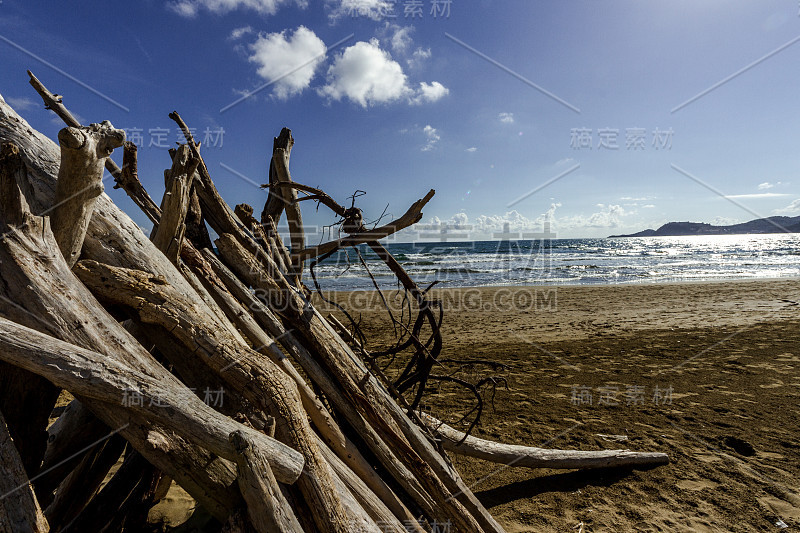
{"x": 761, "y": 225}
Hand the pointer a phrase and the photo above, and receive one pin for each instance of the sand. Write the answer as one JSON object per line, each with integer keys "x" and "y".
{"x": 706, "y": 372}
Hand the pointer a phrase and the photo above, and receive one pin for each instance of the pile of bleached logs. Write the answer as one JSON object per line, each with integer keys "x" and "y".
{"x": 139, "y": 330}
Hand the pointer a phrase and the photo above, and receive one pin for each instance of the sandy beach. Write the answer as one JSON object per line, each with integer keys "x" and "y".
{"x": 706, "y": 372}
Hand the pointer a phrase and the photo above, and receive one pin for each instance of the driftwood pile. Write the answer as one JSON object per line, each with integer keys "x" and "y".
{"x": 309, "y": 436}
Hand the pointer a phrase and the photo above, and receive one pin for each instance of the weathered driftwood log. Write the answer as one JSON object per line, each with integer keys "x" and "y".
{"x": 280, "y": 162}
{"x": 531, "y": 457}
{"x": 277, "y": 242}
{"x": 275, "y": 203}
{"x": 19, "y": 509}
{"x": 380, "y": 513}
{"x": 245, "y": 214}
{"x": 127, "y": 179}
{"x": 246, "y": 371}
{"x": 367, "y": 396}
{"x": 266, "y": 506}
{"x": 268, "y": 242}
{"x": 168, "y": 235}
{"x": 163, "y": 400}
{"x": 84, "y": 152}
{"x": 196, "y": 230}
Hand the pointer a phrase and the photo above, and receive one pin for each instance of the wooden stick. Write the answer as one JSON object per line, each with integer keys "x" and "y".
{"x": 316, "y": 194}
{"x": 272, "y": 231}
{"x": 128, "y": 181}
{"x": 530, "y": 457}
{"x": 275, "y": 203}
{"x": 245, "y": 214}
{"x": 168, "y": 235}
{"x": 196, "y": 230}
{"x": 409, "y": 218}
{"x": 280, "y": 162}
{"x": 374, "y": 505}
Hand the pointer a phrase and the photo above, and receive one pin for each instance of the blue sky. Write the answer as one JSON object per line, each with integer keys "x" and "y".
{"x": 485, "y": 105}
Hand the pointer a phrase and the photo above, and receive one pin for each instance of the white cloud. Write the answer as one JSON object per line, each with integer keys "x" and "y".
{"x": 366, "y": 75}
{"x": 757, "y": 195}
{"x": 190, "y": 8}
{"x": 485, "y": 226}
{"x": 238, "y": 33}
{"x": 648, "y": 206}
{"x": 517, "y": 222}
{"x": 291, "y": 60}
{"x": 21, "y": 104}
{"x": 472, "y": 149}
{"x": 401, "y": 38}
{"x": 765, "y": 185}
{"x": 431, "y": 138}
{"x": 506, "y": 118}
{"x": 419, "y": 56}
{"x": 791, "y": 209}
{"x": 609, "y": 216}
{"x": 429, "y": 93}
{"x": 373, "y": 9}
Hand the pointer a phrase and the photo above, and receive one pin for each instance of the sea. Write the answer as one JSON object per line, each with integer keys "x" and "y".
{"x": 610, "y": 261}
